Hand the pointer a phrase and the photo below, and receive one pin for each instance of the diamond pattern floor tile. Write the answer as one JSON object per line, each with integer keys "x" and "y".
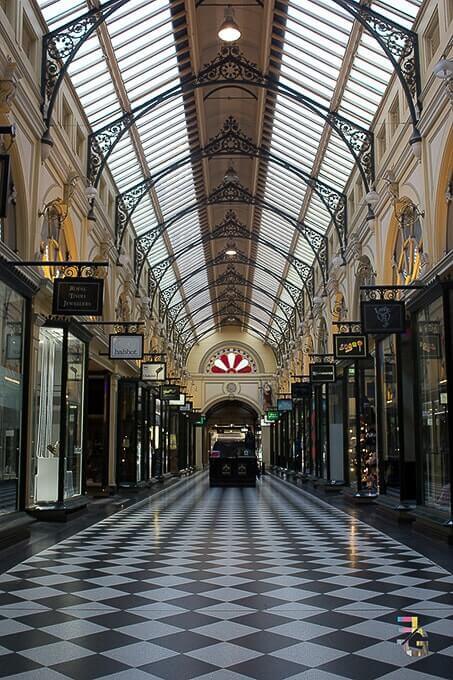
{"x": 224, "y": 584}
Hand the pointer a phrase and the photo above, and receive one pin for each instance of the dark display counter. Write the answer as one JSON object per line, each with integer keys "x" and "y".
{"x": 237, "y": 471}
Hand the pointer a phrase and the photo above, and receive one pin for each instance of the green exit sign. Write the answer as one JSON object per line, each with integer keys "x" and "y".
{"x": 201, "y": 420}
{"x": 272, "y": 415}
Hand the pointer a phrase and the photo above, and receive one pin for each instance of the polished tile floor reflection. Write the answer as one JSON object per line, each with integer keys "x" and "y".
{"x": 223, "y": 584}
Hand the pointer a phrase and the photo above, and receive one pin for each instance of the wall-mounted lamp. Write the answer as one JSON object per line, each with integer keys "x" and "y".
{"x": 444, "y": 70}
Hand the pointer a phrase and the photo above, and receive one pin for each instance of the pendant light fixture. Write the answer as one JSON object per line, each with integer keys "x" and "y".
{"x": 229, "y": 31}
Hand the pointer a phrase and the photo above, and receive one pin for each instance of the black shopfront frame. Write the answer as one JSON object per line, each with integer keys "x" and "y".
{"x": 423, "y": 299}
{"x": 18, "y": 281}
{"x": 143, "y": 422}
{"x": 69, "y": 504}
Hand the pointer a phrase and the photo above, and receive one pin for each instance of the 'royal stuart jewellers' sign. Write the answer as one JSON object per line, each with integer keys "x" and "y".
{"x": 80, "y": 296}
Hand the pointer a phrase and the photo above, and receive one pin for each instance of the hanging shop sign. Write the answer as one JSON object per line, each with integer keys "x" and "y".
{"x": 322, "y": 373}
{"x": 180, "y": 401}
{"x": 154, "y": 371}
{"x": 81, "y": 296}
{"x": 383, "y": 317}
{"x": 126, "y": 346}
{"x": 272, "y": 415}
{"x": 300, "y": 390}
{"x": 284, "y": 405}
{"x": 187, "y": 407}
{"x": 170, "y": 392}
{"x": 350, "y": 346}
{"x": 4, "y": 183}
{"x": 430, "y": 346}
{"x": 201, "y": 420}
{"x": 14, "y": 347}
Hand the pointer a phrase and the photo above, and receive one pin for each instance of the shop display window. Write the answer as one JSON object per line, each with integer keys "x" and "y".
{"x": 56, "y": 473}
{"x": 433, "y": 401}
{"x": 11, "y": 386}
{"x": 390, "y": 424}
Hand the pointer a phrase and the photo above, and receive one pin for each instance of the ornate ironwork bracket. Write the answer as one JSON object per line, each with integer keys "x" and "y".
{"x": 381, "y": 293}
{"x": 67, "y": 269}
{"x": 61, "y": 46}
{"x": 322, "y": 358}
{"x": 230, "y": 66}
{"x": 347, "y": 327}
{"x": 400, "y": 46}
{"x": 232, "y": 141}
{"x": 230, "y": 277}
{"x": 231, "y": 227}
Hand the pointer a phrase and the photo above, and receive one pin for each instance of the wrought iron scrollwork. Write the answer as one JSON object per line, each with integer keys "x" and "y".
{"x": 322, "y": 358}
{"x": 360, "y": 142}
{"x": 76, "y": 270}
{"x": 385, "y": 293}
{"x": 60, "y": 47}
{"x": 400, "y": 44}
{"x": 347, "y": 327}
{"x": 230, "y": 65}
{"x": 230, "y": 140}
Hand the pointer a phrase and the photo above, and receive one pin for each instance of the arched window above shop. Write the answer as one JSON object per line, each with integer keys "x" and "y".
{"x": 231, "y": 360}
{"x": 408, "y": 250}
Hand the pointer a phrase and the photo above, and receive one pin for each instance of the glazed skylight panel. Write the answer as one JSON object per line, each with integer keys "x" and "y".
{"x": 60, "y": 12}
{"x": 403, "y": 12}
{"x": 144, "y": 217}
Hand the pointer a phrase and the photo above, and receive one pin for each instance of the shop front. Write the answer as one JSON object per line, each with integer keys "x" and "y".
{"x": 98, "y": 418}
{"x": 137, "y": 437}
{"x": 432, "y": 315}
{"x": 57, "y": 461}
{"x": 15, "y": 306}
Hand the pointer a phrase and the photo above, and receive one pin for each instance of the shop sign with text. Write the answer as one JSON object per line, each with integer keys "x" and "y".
{"x": 78, "y": 296}
{"x": 169, "y": 392}
{"x": 126, "y": 346}
{"x": 383, "y": 317}
{"x": 300, "y": 390}
{"x": 350, "y": 346}
{"x": 322, "y": 373}
{"x": 429, "y": 344}
{"x": 272, "y": 415}
{"x": 154, "y": 371}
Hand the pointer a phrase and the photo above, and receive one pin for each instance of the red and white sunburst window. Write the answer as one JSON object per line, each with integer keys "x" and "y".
{"x": 231, "y": 361}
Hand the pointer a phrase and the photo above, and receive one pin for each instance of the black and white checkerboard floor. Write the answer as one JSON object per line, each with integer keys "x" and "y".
{"x": 223, "y": 584}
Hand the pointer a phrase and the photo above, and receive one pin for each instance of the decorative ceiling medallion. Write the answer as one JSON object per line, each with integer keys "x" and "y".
{"x": 231, "y": 360}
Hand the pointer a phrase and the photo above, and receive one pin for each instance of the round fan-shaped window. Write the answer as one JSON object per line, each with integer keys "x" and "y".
{"x": 231, "y": 361}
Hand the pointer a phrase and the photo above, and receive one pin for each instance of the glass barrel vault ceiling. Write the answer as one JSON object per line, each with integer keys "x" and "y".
{"x": 140, "y": 35}
{"x": 315, "y": 58}
{"x": 313, "y": 61}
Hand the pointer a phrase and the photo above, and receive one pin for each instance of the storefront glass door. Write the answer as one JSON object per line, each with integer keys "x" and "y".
{"x": 11, "y": 381}
{"x": 432, "y": 385}
{"x": 389, "y": 448}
